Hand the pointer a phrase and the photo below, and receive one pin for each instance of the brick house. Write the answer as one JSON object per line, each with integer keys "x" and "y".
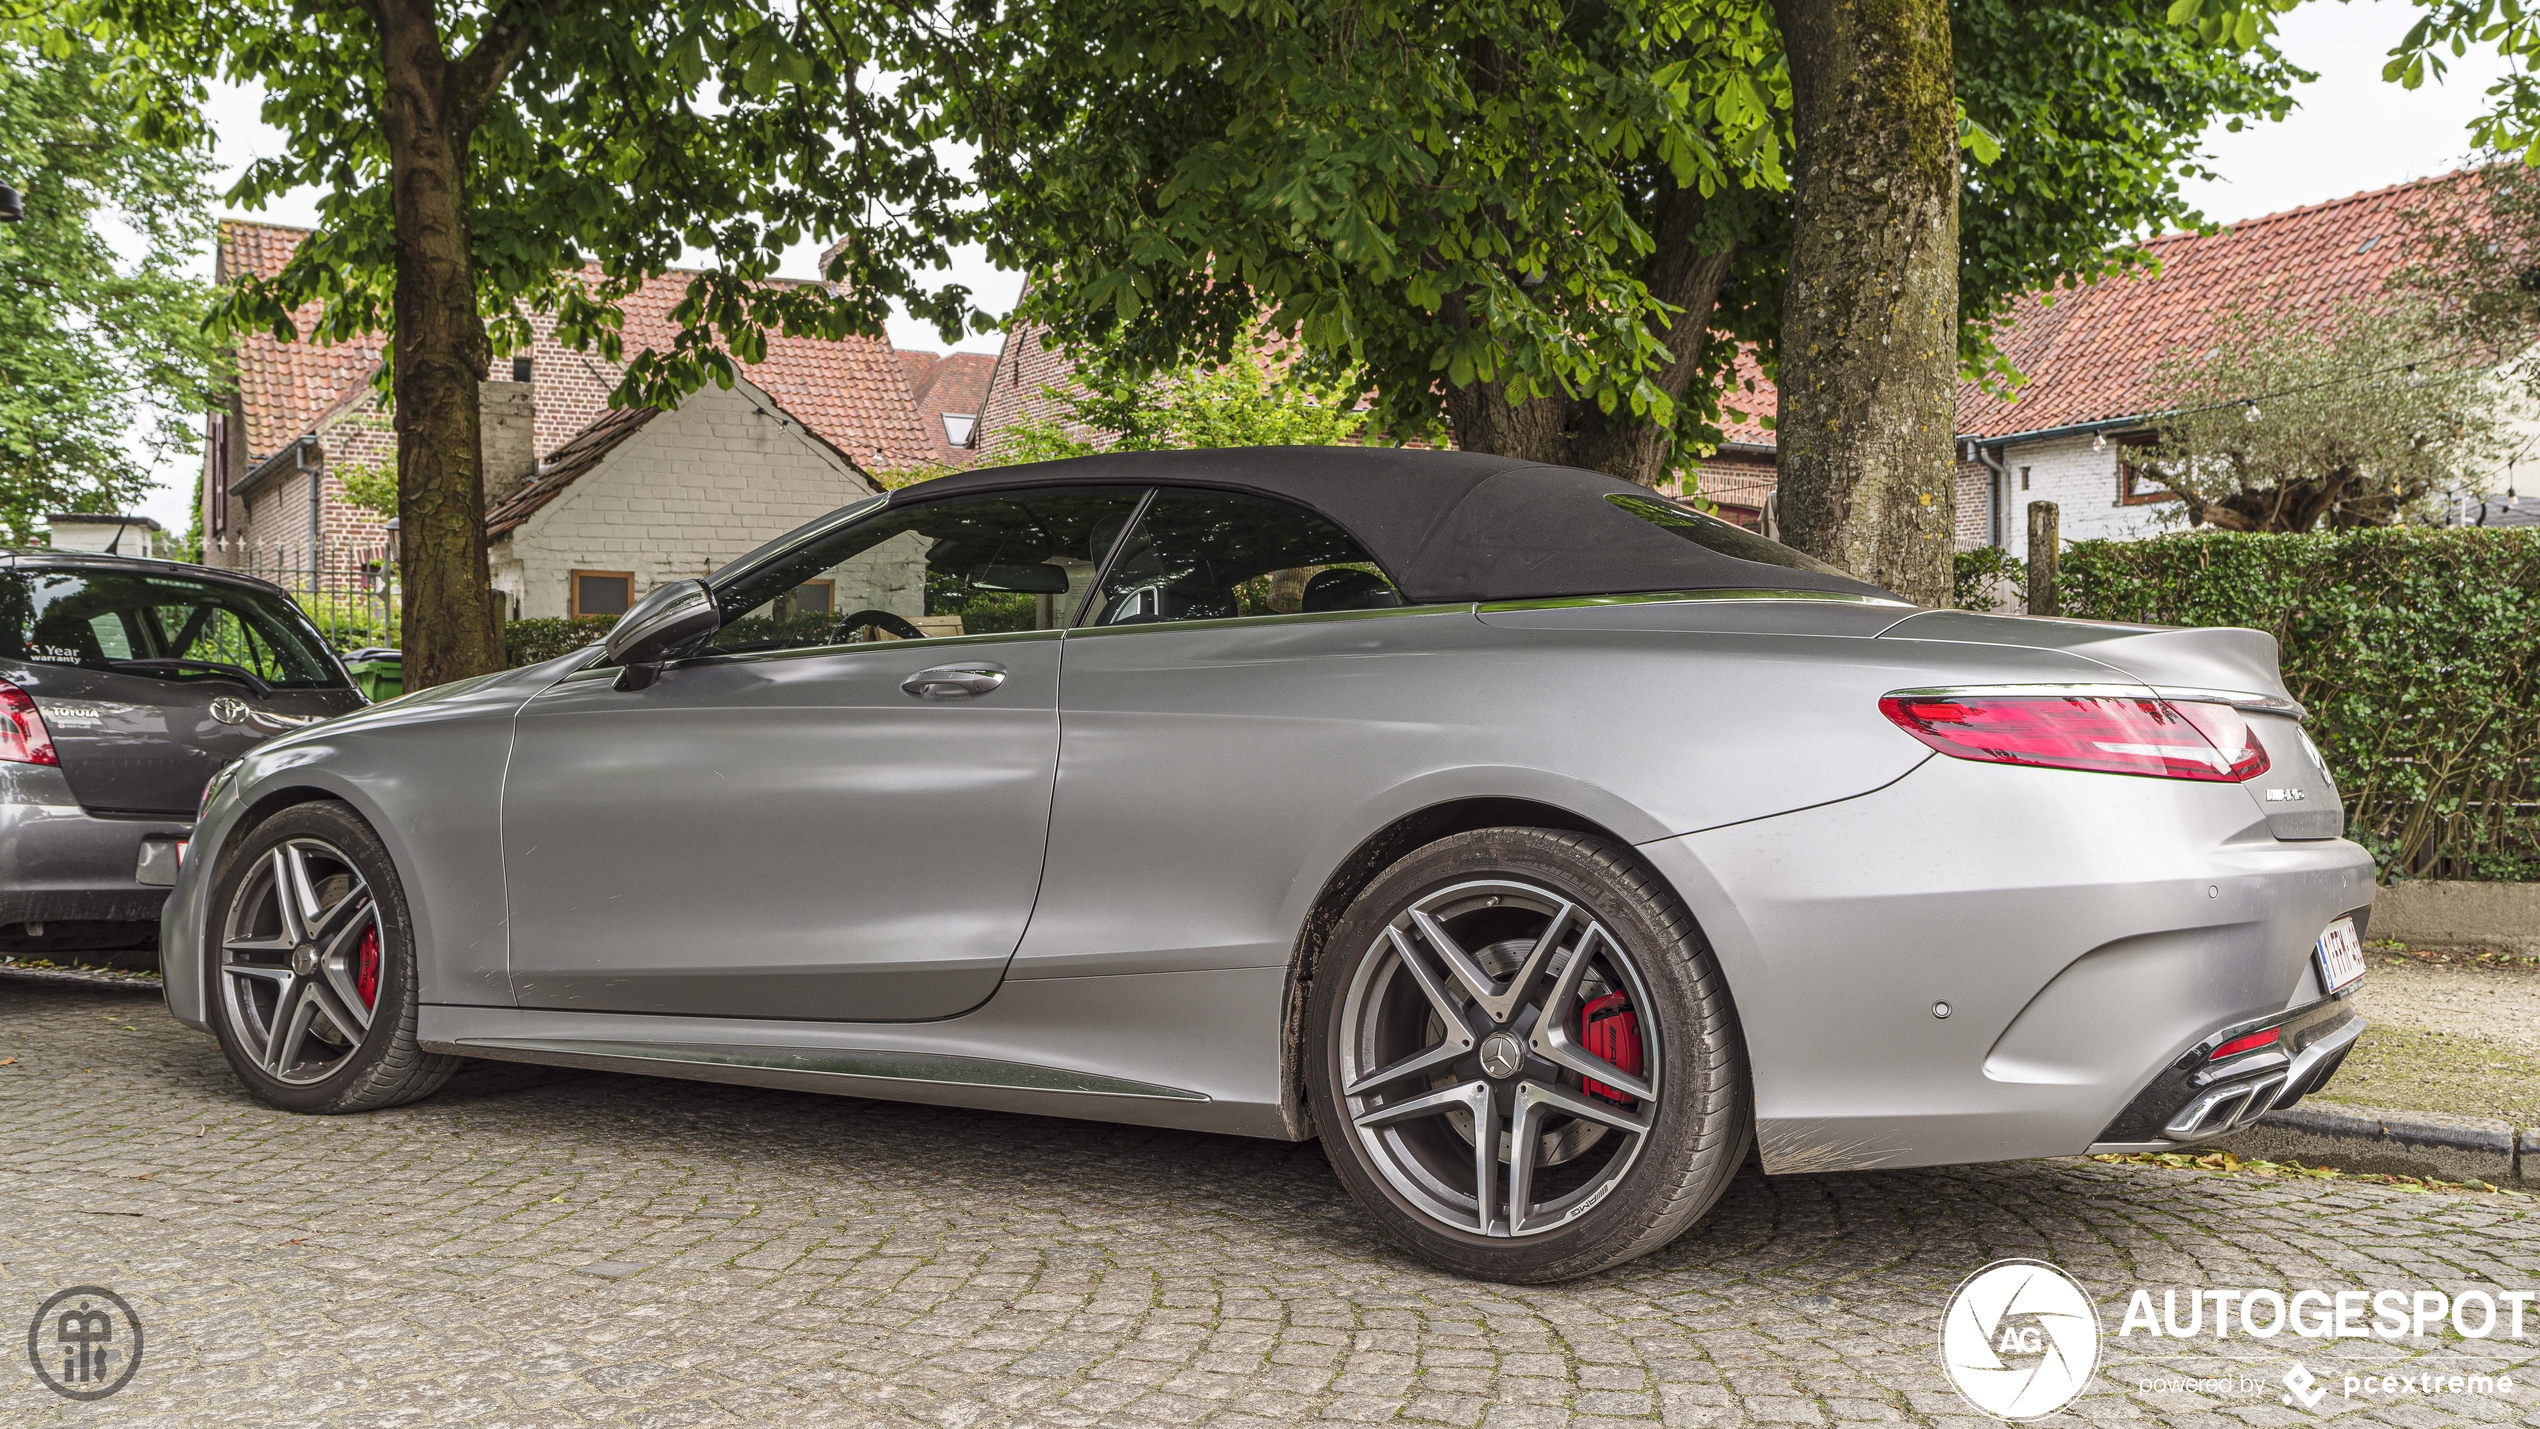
{"x": 816, "y": 421}
{"x": 725, "y": 471}
{"x": 950, "y": 390}
{"x": 2088, "y": 358}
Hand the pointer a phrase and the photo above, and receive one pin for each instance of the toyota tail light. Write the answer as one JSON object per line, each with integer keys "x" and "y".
{"x": 2103, "y": 733}
{"x": 23, "y": 737}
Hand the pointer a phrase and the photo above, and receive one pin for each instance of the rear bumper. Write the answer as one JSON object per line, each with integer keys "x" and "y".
{"x": 2086, "y": 933}
{"x": 60, "y": 863}
{"x": 2194, "y": 1099}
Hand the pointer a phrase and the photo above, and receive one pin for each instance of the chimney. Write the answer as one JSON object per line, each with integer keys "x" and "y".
{"x": 508, "y": 437}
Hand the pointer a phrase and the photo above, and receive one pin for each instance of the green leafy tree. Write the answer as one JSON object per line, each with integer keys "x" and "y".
{"x": 1253, "y": 399}
{"x": 93, "y": 349}
{"x": 1549, "y": 225}
{"x": 475, "y": 155}
{"x": 2279, "y": 425}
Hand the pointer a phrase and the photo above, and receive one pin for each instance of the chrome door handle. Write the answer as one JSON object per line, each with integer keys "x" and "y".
{"x": 954, "y": 682}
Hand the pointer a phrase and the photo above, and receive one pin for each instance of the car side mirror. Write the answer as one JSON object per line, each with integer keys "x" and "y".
{"x": 669, "y": 618}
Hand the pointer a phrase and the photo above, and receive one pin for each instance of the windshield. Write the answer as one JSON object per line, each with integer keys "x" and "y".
{"x": 161, "y": 625}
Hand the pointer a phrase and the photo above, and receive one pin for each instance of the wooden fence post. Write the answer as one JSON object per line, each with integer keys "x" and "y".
{"x": 2043, "y": 553}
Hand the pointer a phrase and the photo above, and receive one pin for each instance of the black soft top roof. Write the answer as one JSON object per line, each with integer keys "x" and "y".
{"x": 1448, "y": 526}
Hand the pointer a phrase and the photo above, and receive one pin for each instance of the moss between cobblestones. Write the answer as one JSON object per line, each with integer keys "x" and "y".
{"x": 2411, "y": 1069}
{"x": 2228, "y": 1164}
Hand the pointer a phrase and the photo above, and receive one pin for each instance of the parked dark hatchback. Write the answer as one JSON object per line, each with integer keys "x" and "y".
{"x": 124, "y": 685}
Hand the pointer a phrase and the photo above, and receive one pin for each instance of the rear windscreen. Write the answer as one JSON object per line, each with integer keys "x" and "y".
{"x": 1717, "y": 534}
{"x": 164, "y": 626}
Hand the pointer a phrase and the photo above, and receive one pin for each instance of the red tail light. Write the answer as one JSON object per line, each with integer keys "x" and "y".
{"x": 2108, "y": 734}
{"x": 2250, "y": 1043}
{"x": 23, "y": 737}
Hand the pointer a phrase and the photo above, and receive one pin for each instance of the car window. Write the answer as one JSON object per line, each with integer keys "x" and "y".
{"x": 976, "y": 565}
{"x": 1204, "y": 555}
{"x": 1719, "y": 535}
{"x": 159, "y": 624}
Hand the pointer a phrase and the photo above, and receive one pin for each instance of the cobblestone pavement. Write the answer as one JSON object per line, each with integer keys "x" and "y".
{"x": 542, "y": 1248}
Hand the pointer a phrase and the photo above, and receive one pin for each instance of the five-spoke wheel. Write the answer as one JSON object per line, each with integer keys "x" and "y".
{"x": 299, "y": 960}
{"x": 1495, "y": 1065}
{"x": 1525, "y": 1061}
{"x": 310, "y": 962}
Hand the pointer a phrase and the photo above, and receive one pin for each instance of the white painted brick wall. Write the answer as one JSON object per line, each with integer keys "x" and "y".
{"x": 2083, "y": 485}
{"x": 691, "y": 492}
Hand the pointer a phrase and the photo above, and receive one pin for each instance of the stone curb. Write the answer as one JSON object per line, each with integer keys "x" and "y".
{"x": 2399, "y": 1143}
{"x": 83, "y": 977}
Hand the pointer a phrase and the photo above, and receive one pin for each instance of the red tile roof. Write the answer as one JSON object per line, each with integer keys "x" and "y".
{"x": 851, "y": 393}
{"x": 2089, "y": 355}
{"x": 285, "y": 386}
{"x": 915, "y": 366}
{"x": 1748, "y": 403}
{"x": 954, "y": 385}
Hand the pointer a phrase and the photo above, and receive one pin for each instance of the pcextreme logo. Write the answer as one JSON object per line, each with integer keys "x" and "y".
{"x": 2020, "y": 1339}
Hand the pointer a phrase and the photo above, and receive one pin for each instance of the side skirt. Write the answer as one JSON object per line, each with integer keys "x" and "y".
{"x": 1197, "y": 1051}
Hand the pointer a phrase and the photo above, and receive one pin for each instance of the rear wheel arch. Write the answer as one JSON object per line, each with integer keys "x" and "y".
{"x": 1367, "y": 862}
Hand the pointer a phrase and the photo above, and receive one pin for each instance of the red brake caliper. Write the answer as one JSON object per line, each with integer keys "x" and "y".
{"x": 1608, "y": 1029}
{"x": 366, "y": 978}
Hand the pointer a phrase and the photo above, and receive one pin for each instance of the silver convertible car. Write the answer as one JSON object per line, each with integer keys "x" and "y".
{"x": 1545, "y": 847}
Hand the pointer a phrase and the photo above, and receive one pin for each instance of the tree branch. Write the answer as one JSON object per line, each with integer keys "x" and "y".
{"x": 471, "y": 82}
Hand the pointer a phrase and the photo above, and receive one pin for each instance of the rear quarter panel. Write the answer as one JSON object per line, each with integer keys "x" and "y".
{"x": 1213, "y": 775}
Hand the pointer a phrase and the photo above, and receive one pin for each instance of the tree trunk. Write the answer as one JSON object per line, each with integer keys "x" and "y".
{"x": 1685, "y": 268}
{"x": 439, "y": 353}
{"x": 1869, "y": 345}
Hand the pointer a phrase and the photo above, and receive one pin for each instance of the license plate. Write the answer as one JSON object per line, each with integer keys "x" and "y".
{"x": 2341, "y": 955}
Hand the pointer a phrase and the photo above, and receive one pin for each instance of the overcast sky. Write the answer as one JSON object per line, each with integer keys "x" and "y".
{"x": 2351, "y": 132}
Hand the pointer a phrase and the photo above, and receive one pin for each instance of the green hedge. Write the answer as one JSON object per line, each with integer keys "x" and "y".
{"x": 2417, "y": 651}
{"x": 526, "y": 642}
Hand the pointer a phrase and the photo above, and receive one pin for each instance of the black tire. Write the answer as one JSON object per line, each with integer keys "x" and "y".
{"x": 1696, "y": 1140}
{"x": 385, "y": 1067}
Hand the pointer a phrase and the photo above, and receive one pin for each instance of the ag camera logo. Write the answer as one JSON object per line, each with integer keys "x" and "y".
{"x": 2020, "y": 1339}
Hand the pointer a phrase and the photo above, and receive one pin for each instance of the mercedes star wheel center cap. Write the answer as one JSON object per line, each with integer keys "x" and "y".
{"x": 304, "y": 959}
{"x": 1502, "y": 1054}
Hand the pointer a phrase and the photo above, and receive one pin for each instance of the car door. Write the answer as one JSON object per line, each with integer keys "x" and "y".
{"x": 789, "y": 822}
{"x": 1243, "y": 673}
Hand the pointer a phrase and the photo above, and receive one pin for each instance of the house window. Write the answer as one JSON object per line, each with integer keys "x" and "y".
{"x": 817, "y": 597}
{"x": 958, "y": 426}
{"x": 603, "y": 592}
{"x": 520, "y": 369}
{"x": 2136, "y": 485}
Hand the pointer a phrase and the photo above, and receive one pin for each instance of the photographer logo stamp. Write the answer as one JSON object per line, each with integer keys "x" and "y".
{"x": 85, "y": 1342}
{"x": 2020, "y": 1339}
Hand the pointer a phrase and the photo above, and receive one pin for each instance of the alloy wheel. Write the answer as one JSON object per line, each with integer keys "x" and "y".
{"x": 300, "y": 961}
{"x": 1498, "y": 1062}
